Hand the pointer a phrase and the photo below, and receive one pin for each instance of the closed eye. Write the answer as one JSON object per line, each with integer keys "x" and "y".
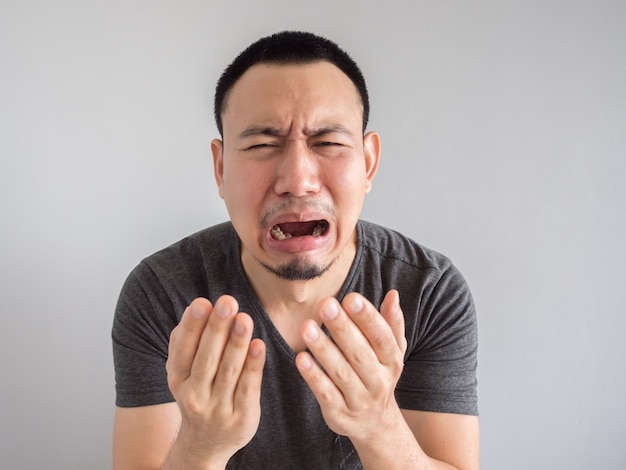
{"x": 328, "y": 144}
{"x": 259, "y": 146}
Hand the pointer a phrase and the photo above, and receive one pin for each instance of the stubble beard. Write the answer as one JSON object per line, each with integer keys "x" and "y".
{"x": 298, "y": 270}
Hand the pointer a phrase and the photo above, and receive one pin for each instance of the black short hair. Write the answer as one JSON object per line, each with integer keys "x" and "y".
{"x": 289, "y": 47}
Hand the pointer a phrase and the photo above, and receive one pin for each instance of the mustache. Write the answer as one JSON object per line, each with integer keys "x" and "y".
{"x": 296, "y": 206}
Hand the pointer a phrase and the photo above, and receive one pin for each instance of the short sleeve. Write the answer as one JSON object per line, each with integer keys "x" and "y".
{"x": 144, "y": 319}
{"x": 440, "y": 368}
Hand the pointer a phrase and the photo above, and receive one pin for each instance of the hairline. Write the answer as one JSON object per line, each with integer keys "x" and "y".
{"x": 286, "y": 63}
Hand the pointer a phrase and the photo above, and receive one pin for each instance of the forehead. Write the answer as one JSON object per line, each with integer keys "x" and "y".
{"x": 311, "y": 90}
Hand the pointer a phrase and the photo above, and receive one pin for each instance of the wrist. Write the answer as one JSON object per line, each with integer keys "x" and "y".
{"x": 383, "y": 423}
{"x": 190, "y": 452}
{"x": 391, "y": 445}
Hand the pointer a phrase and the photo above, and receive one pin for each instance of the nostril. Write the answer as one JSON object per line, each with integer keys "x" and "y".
{"x": 297, "y": 176}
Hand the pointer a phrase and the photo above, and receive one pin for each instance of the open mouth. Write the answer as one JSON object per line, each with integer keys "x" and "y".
{"x": 313, "y": 228}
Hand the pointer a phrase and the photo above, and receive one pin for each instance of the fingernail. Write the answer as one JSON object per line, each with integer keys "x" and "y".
{"x": 255, "y": 351}
{"x": 306, "y": 363}
{"x": 311, "y": 333}
{"x": 356, "y": 304}
{"x": 239, "y": 328}
{"x": 331, "y": 311}
{"x": 221, "y": 310}
{"x": 196, "y": 311}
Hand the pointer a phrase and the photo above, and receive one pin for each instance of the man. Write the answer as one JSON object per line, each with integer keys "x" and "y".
{"x": 295, "y": 335}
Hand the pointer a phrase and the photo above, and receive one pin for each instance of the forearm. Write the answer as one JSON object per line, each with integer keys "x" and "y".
{"x": 396, "y": 448}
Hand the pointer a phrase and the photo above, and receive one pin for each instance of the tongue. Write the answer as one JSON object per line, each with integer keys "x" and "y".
{"x": 298, "y": 229}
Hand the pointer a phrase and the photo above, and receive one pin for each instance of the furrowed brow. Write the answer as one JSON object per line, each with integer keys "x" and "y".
{"x": 330, "y": 129}
{"x": 276, "y": 132}
{"x": 261, "y": 130}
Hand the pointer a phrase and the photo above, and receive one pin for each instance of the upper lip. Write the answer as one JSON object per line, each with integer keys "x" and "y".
{"x": 296, "y": 217}
{"x": 289, "y": 211}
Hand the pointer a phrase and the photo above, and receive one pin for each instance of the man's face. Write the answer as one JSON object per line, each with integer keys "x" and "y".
{"x": 294, "y": 167}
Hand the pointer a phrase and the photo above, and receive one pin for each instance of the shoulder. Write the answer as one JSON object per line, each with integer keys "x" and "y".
{"x": 184, "y": 269}
{"x": 425, "y": 278}
{"x": 206, "y": 242}
{"x": 191, "y": 253}
{"x": 392, "y": 246}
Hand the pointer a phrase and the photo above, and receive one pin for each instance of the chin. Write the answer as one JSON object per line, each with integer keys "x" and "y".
{"x": 298, "y": 270}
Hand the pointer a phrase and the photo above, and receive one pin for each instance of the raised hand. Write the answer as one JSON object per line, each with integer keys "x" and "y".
{"x": 214, "y": 372}
{"x": 353, "y": 376}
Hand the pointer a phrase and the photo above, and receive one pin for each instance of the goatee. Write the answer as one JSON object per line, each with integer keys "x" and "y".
{"x": 297, "y": 270}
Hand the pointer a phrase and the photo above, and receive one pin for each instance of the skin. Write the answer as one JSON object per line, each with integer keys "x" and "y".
{"x": 293, "y": 150}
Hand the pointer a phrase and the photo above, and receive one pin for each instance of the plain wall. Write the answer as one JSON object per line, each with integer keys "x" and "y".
{"x": 504, "y": 146}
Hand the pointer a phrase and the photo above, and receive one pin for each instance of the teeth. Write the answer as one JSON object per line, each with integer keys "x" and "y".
{"x": 319, "y": 230}
{"x": 278, "y": 234}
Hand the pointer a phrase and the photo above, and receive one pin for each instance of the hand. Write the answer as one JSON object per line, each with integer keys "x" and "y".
{"x": 214, "y": 372}
{"x": 356, "y": 372}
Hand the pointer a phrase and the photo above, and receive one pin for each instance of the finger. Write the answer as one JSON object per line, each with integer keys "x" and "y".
{"x": 325, "y": 390}
{"x": 332, "y": 361}
{"x": 233, "y": 359}
{"x": 374, "y": 327}
{"x": 248, "y": 392}
{"x": 347, "y": 336}
{"x": 212, "y": 342}
{"x": 392, "y": 313}
{"x": 184, "y": 340}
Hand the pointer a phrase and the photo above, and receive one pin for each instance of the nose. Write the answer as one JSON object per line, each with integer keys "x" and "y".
{"x": 298, "y": 171}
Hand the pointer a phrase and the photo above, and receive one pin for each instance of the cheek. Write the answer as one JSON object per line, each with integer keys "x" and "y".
{"x": 350, "y": 183}
{"x": 234, "y": 178}
{"x": 242, "y": 189}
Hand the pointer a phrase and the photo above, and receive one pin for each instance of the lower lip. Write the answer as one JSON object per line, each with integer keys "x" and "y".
{"x": 297, "y": 244}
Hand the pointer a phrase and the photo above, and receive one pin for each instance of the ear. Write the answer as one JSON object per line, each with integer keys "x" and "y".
{"x": 217, "y": 149}
{"x": 371, "y": 150}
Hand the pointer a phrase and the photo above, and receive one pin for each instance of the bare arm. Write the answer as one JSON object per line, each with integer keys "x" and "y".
{"x": 447, "y": 437}
{"x": 143, "y": 436}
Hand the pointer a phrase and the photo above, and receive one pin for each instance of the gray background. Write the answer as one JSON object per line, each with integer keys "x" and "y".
{"x": 504, "y": 146}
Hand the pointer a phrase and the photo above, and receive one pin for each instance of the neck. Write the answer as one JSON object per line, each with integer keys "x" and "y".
{"x": 296, "y": 299}
{"x": 289, "y": 303}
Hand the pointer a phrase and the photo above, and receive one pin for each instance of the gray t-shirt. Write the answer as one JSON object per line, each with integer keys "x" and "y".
{"x": 440, "y": 363}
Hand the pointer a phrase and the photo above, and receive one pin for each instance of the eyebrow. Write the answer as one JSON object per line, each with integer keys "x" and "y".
{"x": 330, "y": 129}
{"x": 260, "y": 130}
{"x": 276, "y": 132}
